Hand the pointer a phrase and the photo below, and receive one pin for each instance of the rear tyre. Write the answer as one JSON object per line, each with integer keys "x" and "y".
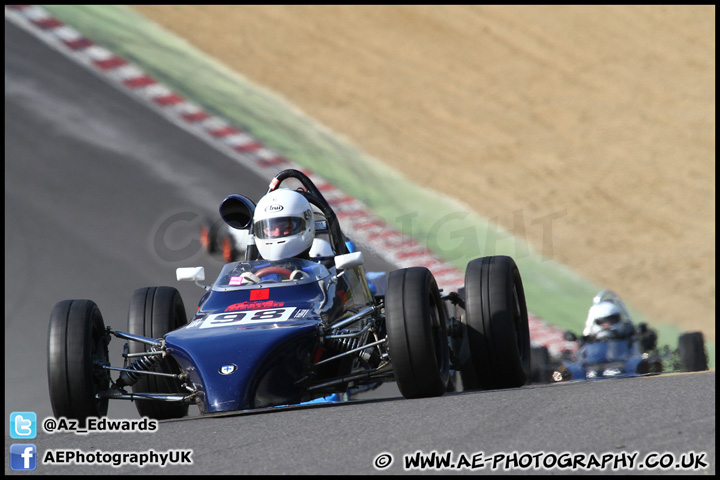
{"x": 417, "y": 332}
{"x": 461, "y": 349}
{"x": 77, "y": 351}
{"x": 497, "y": 318}
{"x": 155, "y": 311}
{"x": 691, "y": 349}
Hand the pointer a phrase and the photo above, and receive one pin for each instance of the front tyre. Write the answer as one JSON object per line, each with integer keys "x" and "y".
{"x": 497, "y": 319}
{"x": 417, "y": 332}
{"x": 155, "y": 311}
{"x": 77, "y": 352}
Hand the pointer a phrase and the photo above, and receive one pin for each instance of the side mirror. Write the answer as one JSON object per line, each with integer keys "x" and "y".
{"x": 190, "y": 274}
{"x": 237, "y": 211}
{"x": 349, "y": 260}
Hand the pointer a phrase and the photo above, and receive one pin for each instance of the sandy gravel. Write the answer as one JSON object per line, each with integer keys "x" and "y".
{"x": 601, "y": 118}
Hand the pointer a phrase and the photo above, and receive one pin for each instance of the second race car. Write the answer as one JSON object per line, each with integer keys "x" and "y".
{"x": 612, "y": 347}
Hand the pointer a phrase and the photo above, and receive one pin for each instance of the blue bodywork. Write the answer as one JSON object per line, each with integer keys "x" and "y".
{"x": 605, "y": 359}
{"x": 265, "y": 361}
{"x": 250, "y": 344}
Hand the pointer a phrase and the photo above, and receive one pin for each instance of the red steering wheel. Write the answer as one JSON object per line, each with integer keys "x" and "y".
{"x": 276, "y": 270}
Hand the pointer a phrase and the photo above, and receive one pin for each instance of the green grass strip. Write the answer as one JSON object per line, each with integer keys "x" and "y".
{"x": 445, "y": 226}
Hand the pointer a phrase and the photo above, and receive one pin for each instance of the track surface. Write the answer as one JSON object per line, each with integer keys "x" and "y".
{"x": 91, "y": 181}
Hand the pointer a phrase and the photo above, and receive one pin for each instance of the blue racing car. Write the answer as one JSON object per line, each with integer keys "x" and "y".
{"x": 284, "y": 331}
{"x": 612, "y": 347}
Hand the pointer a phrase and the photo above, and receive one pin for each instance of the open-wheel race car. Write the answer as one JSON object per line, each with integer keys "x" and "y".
{"x": 618, "y": 351}
{"x": 286, "y": 331}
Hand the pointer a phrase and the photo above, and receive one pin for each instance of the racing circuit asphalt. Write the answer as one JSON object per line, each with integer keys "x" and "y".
{"x": 91, "y": 177}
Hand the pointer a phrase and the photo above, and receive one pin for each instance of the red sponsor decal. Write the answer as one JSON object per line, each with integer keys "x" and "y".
{"x": 262, "y": 294}
{"x": 254, "y": 305}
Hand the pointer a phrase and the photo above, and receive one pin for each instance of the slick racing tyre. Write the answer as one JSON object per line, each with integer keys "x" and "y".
{"x": 417, "y": 333}
{"x": 77, "y": 351}
{"x": 155, "y": 311}
{"x": 497, "y": 320}
{"x": 691, "y": 350}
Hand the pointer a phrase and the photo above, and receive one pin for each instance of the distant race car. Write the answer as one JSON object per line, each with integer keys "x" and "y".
{"x": 634, "y": 355}
{"x": 272, "y": 333}
{"x": 220, "y": 240}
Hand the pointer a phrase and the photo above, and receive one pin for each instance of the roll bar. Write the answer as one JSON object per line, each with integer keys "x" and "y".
{"x": 313, "y": 195}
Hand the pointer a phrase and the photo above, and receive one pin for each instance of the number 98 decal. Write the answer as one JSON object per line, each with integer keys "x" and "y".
{"x": 244, "y": 318}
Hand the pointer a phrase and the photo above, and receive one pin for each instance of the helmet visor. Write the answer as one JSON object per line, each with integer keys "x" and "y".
{"x": 611, "y": 319}
{"x": 279, "y": 227}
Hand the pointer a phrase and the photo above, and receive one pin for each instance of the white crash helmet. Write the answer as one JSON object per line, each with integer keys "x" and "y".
{"x": 321, "y": 248}
{"x": 604, "y": 312}
{"x": 283, "y": 224}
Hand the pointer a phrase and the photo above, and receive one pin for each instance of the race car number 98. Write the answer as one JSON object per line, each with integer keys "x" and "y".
{"x": 244, "y": 318}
